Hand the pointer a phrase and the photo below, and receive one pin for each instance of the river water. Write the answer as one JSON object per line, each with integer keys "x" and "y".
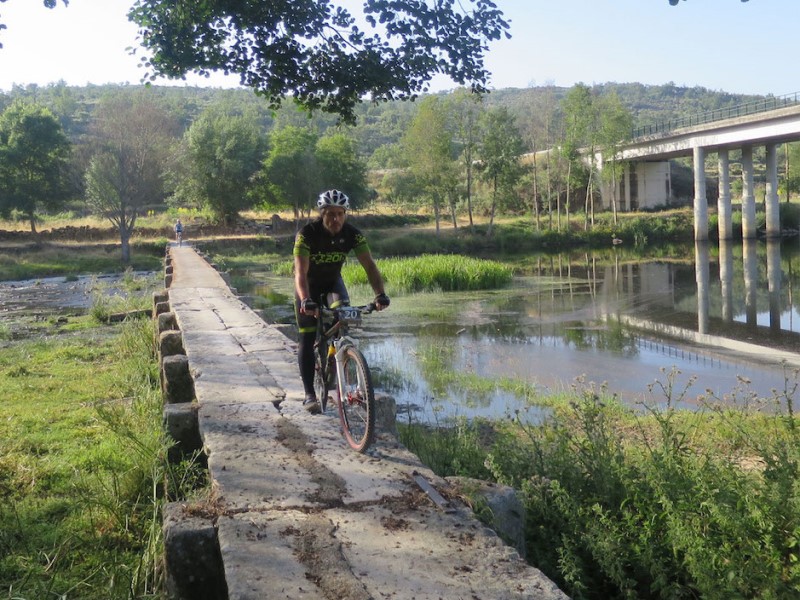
{"x": 717, "y": 324}
{"x": 721, "y": 319}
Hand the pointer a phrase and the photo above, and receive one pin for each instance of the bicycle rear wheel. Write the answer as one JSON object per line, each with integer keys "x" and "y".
{"x": 356, "y": 401}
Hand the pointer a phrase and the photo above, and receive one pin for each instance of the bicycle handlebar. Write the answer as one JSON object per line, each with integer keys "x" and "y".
{"x": 364, "y": 308}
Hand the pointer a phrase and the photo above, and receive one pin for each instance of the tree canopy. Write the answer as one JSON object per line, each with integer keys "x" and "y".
{"x": 318, "y": 52}
{"x": 222, "y": 153}
{"x": 33, "y": 159}
{"x": 132, "y": 139}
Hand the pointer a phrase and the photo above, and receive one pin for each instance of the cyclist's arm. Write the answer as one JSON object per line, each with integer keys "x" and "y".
{"x": 301, "y": 264}
{"x": 373, "y": 274}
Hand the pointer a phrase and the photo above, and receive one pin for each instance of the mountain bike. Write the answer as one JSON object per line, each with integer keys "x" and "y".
{"x": 342, "y": 374}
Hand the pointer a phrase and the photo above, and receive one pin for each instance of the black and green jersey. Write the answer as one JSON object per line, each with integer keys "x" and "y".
{"x": 327, "y": 253}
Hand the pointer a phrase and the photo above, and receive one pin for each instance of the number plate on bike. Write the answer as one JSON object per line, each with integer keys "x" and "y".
{"x": 350, "y": 315}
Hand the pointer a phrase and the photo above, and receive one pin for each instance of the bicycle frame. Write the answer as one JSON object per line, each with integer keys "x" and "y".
{"x": 335, "y": 349}
{"x": 337, "y": 335}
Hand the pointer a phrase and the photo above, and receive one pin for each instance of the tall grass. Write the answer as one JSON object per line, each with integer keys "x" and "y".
{"x": 655, "y": 504}
{"x": 131, "y": 292}
{"x": 82, "y": 466}
{"x": 427, "y": 273}
{"x": 435, "y": 272}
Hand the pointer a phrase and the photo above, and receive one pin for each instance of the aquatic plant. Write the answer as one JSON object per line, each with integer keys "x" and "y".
{"x": 445, "y": 272}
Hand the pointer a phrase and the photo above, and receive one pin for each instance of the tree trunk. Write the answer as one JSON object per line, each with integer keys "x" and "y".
{"x": 436, "y": 213}
{"x": 549, "y": 199}
{"x": 32, "y": 220}
{"x": 125, "y": 242}
{"x": 569, "y": 188}
{"x": 451, "y": 197}
{"x": 614, "y": 191}
{"x": 536, "y": 193}
{"x": 494, "y": 207}
{"x": 588, "y": 205}
{"x": 469, "y": 191}
{"x": 786, "y": 171}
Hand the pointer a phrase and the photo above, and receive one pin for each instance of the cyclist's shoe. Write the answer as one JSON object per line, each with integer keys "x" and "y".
{"x": 311, "y": 404}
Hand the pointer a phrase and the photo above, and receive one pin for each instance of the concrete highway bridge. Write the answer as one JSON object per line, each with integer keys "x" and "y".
{"x": 768, "y": 123}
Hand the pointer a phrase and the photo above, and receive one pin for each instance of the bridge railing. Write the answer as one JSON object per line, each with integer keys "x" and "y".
{"x": 750, "y": 108}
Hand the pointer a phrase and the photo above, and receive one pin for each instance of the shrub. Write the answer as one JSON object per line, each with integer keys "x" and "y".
{"x": 656, "y": 504}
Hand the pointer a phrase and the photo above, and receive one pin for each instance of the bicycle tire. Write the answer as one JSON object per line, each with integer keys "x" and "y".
{"x": 356, "y": 400}
{"x": 320, "y": 388}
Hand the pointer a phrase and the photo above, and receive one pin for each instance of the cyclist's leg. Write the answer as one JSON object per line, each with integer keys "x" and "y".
{"x": 307, "y": 329}
{"x": 337, "y": 296}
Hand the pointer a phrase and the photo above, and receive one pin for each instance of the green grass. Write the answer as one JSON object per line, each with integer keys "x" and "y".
{"x": 50, "y": 260}
{"x": 81, "y": 465}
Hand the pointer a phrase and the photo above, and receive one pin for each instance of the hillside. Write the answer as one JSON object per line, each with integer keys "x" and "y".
{"x": 378, "y": 124}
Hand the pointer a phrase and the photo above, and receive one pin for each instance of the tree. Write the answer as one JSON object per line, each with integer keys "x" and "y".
{"x": 791, "y": 174}
{"x": 467, "y": 108}
{"x": 223, "y": 153}
{"x": 341, "y": 167}
{"x": 580, "y": 132}
{"x": 500, "y": 153}
{"x": 290, "y": 175}
{"x": 538, "y": 125}
{"x": 317, "y": 52}
{"x": 34, "y": 153}
{"x": 429, "y": 153}
{"x": 133, "y": 137}
{"x": 614, "y": 130}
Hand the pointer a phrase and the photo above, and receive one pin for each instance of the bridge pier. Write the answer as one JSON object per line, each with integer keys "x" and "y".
{"x": 724, "y": 224}
{"x": 748, "y": 195}
{"x": 700, "y": 200}
{"x": 771, "y": 198}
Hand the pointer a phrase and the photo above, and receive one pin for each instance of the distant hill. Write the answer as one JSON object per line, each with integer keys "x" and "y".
{"x": 647, "y": 103}
{"x": 383, "y": 123}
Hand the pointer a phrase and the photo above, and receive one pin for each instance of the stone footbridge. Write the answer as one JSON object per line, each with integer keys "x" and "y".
{"x": 294, "y": 513}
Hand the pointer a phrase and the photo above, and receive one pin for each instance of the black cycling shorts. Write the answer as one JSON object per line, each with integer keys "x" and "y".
{"x": 335, "y": 295}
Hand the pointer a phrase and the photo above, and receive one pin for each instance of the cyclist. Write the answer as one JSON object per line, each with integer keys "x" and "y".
{"x": 320, "y": 249}
{"x": 179, "y": 232}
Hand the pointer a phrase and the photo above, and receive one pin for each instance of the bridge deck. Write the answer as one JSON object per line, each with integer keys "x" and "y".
{"x": 299, "y": 515}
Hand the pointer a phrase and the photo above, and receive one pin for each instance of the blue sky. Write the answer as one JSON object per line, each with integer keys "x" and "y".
{"x": 722, "y": 45}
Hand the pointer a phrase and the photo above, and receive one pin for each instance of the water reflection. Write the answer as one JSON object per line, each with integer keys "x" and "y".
{"x": 722, "y": 315}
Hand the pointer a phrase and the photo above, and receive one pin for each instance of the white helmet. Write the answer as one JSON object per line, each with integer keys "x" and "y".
{"x": 333, "y": 198}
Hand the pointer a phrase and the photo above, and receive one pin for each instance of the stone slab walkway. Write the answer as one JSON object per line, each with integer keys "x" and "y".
{"x": 298, "y": 514}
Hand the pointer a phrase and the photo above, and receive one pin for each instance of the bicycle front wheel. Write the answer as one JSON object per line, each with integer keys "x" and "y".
{"x": 321, "y": 374}
{"x": 356, "y": 400}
